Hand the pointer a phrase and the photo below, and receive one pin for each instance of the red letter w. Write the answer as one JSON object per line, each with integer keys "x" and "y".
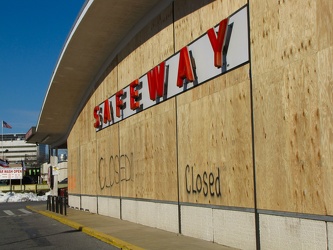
{"x": 156, "y": 81}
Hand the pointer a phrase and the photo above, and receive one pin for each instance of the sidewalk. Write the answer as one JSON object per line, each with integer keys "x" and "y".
{"x": 124, "y": 234}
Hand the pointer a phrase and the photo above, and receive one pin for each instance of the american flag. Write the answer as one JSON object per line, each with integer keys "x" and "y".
{"x": 6, "y": 125}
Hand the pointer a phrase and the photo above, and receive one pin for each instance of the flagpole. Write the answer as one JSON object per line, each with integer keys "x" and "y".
{"x": 2, "y": 140}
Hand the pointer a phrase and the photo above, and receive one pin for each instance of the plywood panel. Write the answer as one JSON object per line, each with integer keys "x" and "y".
{"x": 88, "y": 168}
{"x": 146, "y": 161}
{"x": 149, "y": 47}
{"x": 214, "y": 137}
{"x": 325, "y": 86}
{"x": 108, "y": 85}
{"x": 148, "y": 151}
{"x": 87, "y": 157}
{"x": 280, "y": 34}
{"x": 194, "y": 18}
{"x": 82, "y": 143}
{"x": 73, "y": 145}
{"x": 324, "y": 19}
{"x": 292, "y": 114}
{"x": 86, "y": 137}
{"x": 288, "y": 135}
{"x": 72, "y": 169}
{"x": 107, "y": 140}
{"x": 214, "y": 120}
{"x": 108, "y": 162}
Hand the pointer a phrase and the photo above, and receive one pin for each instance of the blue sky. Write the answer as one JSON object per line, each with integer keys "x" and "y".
{"x": 32, "y": 34}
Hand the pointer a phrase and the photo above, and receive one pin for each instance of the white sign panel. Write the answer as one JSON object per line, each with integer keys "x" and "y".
{"x": 11, "y": 173}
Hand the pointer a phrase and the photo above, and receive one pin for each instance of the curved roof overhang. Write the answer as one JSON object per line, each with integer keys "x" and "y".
{"x": 100, "y": 31}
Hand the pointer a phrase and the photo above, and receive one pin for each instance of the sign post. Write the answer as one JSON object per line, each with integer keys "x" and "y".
{"x": 54, "y": 173}
{"x": 11, "y": 173}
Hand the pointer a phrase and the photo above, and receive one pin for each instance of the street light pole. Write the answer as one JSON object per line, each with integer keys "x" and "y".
{"x": 3, "y": 155}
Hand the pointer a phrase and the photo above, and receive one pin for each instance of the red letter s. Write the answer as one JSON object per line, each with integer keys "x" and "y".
{"x": 96, "y": 116}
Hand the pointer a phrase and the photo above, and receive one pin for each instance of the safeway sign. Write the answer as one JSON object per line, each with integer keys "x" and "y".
{"x": 221, "y": 49}
{"x": 10, "y": 173}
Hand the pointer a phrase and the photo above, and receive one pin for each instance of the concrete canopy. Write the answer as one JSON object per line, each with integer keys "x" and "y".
{"x": 98, "y": 31}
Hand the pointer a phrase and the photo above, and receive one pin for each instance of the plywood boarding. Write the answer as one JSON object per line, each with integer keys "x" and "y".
{"x": 214, "y": 120}
{"x": 292, "y": 79}
{"x": 82, "y": 142}
{"x": 73, "y": 157}
{"x": 148, "y": 48}
{"x": 87, "y": 168}
{"x": 73, "y": 145}
{"x": 324, "y": 18}
{"x": 147, "y": 158}
{"x": 194, "y": 18}
{"x": 87, "y": 163}
{"x": 288, "y": 157}
{"x": 325, "y": 85}
{"x": 108, "y": 178}
{"x": 214, "y": 142}
{"x": 292, "y": 107}
{"x": 108, "y": 85}
{"x": 95, "y": 146}
{"x": 107, "y": 140}
{"x": 153, "y": 173}
{"x": 148, "y": 151}
{"x": 88, "y": 129}
{"x": 281, "y": 32}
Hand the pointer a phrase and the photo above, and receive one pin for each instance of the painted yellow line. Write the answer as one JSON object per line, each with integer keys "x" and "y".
{"x": 87, "y": 230}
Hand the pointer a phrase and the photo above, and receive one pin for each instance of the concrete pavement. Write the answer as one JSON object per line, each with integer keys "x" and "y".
{"x": 124, "y": 234}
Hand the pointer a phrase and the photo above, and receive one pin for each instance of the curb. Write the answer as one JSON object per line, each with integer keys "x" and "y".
{"x": 87, "y": 230}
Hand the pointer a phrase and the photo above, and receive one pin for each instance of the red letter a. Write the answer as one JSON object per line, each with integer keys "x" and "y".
{"x": 184, "y": 68}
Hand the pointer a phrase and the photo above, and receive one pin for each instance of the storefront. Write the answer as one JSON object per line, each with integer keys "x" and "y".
{"x": 212, "y": 119}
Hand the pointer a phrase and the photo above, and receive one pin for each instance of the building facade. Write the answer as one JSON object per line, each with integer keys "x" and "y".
{"x": 15, "y": 149}
{"x": 212, "y": 119}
